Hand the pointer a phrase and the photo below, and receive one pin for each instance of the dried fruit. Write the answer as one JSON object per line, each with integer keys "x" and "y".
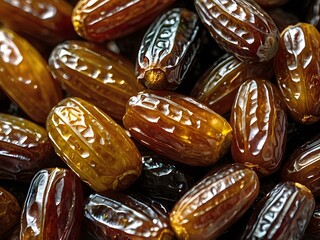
{"x": 313, "y": 228}
{"x": 270, "y": 3}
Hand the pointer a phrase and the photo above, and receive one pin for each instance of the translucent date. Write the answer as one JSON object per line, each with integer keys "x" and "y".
{"x": 178, "y": 127}
{"x": 241, "y": 27}
{"x": 215, "y": 203}
{"x": 282, "y": 214}
{"x": 95, "y": 74}
{"x": 297, "y": 69}
{"x": 259, "y": 123}
{"x": 118, "y": 216}
{"x": 24, "y": 148}
{"x": 100, "y": 20}
{"x": 93, "y": 145}
{"x": 168, "y": 49}
{"x": 53, "y": 206}
{"x": 25, "y": 77}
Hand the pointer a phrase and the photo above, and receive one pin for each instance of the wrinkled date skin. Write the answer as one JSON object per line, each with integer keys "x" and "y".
{"x": 218, "y": 86}
{"x": 178, "y": 127}
{"x": 168, "y": 49}
{"x": 95, "y": 74}
{"x": 259, "y": 123}
{"x": 25, "y": 77}
{"x": 216, "y": 202}
{"x": 241, "y": 27}
{"x": 93, "y": 145}
{"x": 53, "y": 206}
{"x": 297, "y": 69}
{"x": 118, "y": 216}
{"x": 47, "y": 20}
{"x": 9, "y": 211}
{"x": 24, "y": 148}
{"x": 282, "y": 214}
{"x": 100, "y": 20}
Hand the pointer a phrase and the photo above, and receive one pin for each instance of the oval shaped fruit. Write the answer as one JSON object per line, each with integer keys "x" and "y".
{"x": 215, "y": 203}
{"x": 297, "y": 69}
{"x": 177, "y": 127}
{"x": 167, "y": 50}
{"x": 259, "y": 123}
{"x": 94, "y": 146}
{"x": 95, "y": 74}
{"x": 100, "y": 20}
{"x": 53, "y": 206}
{"x": 25, "y": 77}
{"x": 282, "y": 214}
{"x": 241, "y": 27}
{"x": 119, "y": 216}
{"x": 25, "y": 148}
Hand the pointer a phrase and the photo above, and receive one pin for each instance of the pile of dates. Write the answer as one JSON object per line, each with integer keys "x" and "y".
{"x": 159, "y": 119}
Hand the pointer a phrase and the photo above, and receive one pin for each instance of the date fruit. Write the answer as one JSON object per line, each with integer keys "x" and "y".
{"x": 270, "y": 3}
{"x": 93, "y": 145}
{"x": 313, "y": 16}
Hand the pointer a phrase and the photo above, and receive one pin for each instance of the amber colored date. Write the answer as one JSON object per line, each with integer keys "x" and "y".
{"x": 215, "y": 203}
{"x": 25, "y": 77}
{"x": 297, "y": 69}
{"x": 168, "y": 49}
{"x": 259, "y": 123}
{"x": 100, "y": 20}
{"x": 25, "y": 148}
{"x": 241, "y": 27}
{"x": 93, "y": 145}
{"x": 53, "y": 206}
{"x": 118, "y": 216}
{"x": 178, "y": 127}
{"x": 95, "y": 74}
{"x": 282, "y": 214}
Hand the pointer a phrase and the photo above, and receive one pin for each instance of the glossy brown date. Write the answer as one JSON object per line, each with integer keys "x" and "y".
{"x": 313, "y": 229}
{"x": 282, "y": 214}
{"x": 100, "y": 20}
{"x": 216, "y": 202}
{"x": 95, "y": 74}
{"x": 241, "y": 27}
{"x": 118, "y": 216}
{"x": 259, "y": 123}
{"x": 53, "y": 206}
{"x": 93, "y": 145}
{"x": 297, "y": 69}
{"x": 177, "y": 127}
{"x": 168, "y": 49}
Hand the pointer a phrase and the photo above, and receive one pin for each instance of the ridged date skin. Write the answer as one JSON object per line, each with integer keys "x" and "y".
{"x": 47, "y": 20}
{"x": 282, "y": 214}
{"x": 9, "y": 211}
{"x": 177, "y": 127}
{"x": 25, "y": 77}
{"x": 118, "y": 216}
{"x": 304, "y": 166}
{"x": 93, "y": 145}
{"x": 313, "y": 16}
{"x": 241, "y": 27}
{"x": 53, "y": 206}
{"x": 95, "y": 74}
{"x": 270, "y": 3}
{"x": 24, "y": 148}
{"x": 168, "y": 49}
{"x": 259, "y": 123}
{"x": 297, "y": 69}
{"x": 218, "y": 86}
{"x": 101, "y": 20}
{"x": 215, "y": 203}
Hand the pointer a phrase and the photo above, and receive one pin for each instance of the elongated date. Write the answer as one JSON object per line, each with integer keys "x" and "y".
{"x": 168, "y": 49}
{"x": 93, "y": 145}
{"x": 53, "y": 206}
{"x": 217, "y": 201}
{"x": 241, "y": 27}
{"x": 259, "y": 122}
{"x": 178, "y": 127}
{"x": 95, "y": 74}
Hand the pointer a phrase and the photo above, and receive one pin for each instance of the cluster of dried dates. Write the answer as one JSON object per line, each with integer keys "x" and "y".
{"x": 159, "y": 119}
